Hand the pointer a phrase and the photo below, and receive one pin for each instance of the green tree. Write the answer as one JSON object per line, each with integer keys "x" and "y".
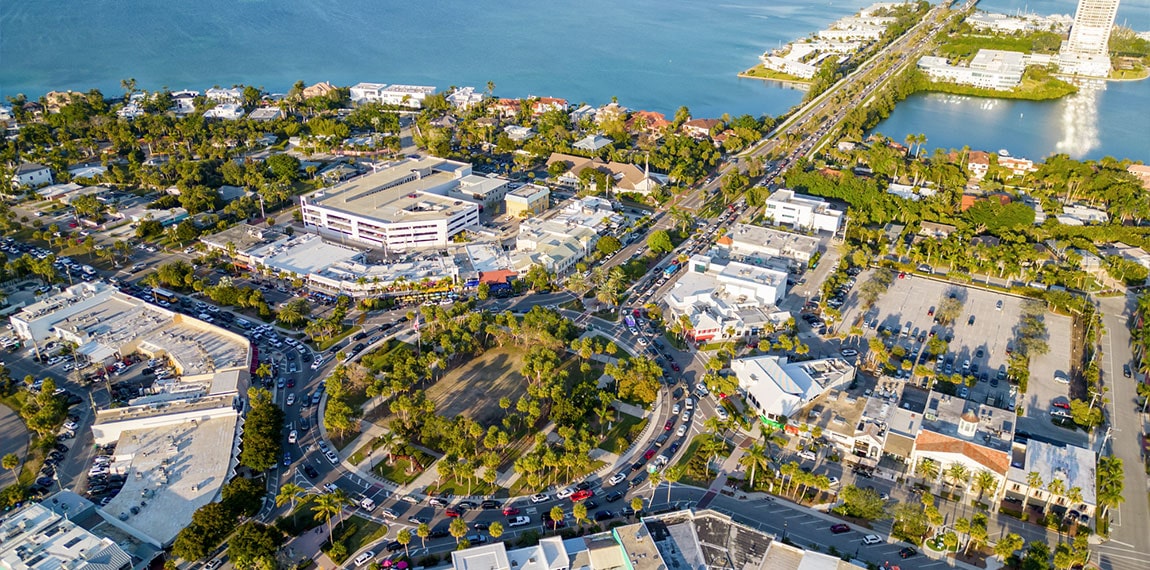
{"x": 10, "y": 462}
{"x": 861, "y": 503}
{"x": 579, "y": 512}
{"x": 608, "y": 245}
{"x": 458, "y": 529}
{"x": 290, "y": 493}
{"x": 637, "y": 504}
{"x": 262, "y": 431}
{"x": 1007, "y": 546}
{"x": 242, "y": 496}
{"x": 254, "y": 546}
{"x": 329, "y": 506}
{"x": 660, "y": 241}
{"x": 556, "y": 514}
{"x": 404, "y": 538}
{"x": 423, "y": 531}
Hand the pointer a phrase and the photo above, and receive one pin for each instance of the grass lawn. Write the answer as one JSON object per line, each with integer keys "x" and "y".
{"x": 697, "y": 469}
{"x": 322, "y": 346}
{"x": 624, "y": 432}
{"x": 475, "y": 388}
{"x": 398, "y": 470}
{"x": 343, "y": 440}
{"x": 301, "y": 520}
{"x": 355, "y": 532}
{"x": 760, "y": 72}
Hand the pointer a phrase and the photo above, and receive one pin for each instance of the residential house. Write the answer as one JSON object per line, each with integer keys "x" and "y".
{"x": 936, "y": 230}
{"x": 225, "y": 95}
{"x": 978, "y": 162}
{"x": 622, "y": 177}
{"x": 464, "y": 98}
{"x": 32, "y": 174}
{"x": 699, "y": 128}
{"x": 649, "y": 122}
{"x": 265, "y": 114}
{"x": 362, "y": 93}
{"x": 320, "y": 89}
{"x": 544, "y": 104}
{"x": 518, "y": 133}
{"x": 184, "y": 101}
{"x": 410, "y": 96}
{"x": 227, "y": 111}
{"x": 506, "y": 108}
{"x": 610, "y": 111}
{"x": 56, "y": 100}
{"x": 593, "y": 143}
{"x": 1141, "y": 171}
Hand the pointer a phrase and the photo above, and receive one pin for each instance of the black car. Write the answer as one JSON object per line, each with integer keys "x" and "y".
{"x": 590, "y": 504}
{"x": 636, "y": 465}
{"x": 439, "y": 531}
{"x": 489, "y": 504}
{"x": 394, "y": 546}
{"x": 310, "y": 471}
{"x": 627, "y": 512}
{"x": 907, "y": 552}
{"x": 604, "y": 516}
{"x": 480, "y": 526}
{"x": 61, "y": 448}
{"x": 583, "y": 486}
{"x": 1126, "y": 370}
{"x": 614, "y": 496}
{"x": 466, "y": 505}
{"x": 637, "y": 480}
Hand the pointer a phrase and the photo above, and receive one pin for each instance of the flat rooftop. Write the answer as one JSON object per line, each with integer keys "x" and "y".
{"x": 528, "y": 191}
{"x": 121, "y": 320}
{"x": 413, "y": 268}
{"x": 242, "y": 236}
{"x": 398, "y": 193}
{"x": 306, "y": 254}
{"x": 480, "y": 186}
{"x": 772, "y": 239}
{"x": 1074, "y": 465}
{"x": 995, "y": 425}
{"x": 639, "y": 547}
{"x": 173, "y": 471}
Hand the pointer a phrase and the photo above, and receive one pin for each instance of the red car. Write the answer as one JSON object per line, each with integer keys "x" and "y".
{"x": 510, "y": 511}
{"x": 840, "y": 528}
{"x": 670, "y": 424}
{"x": 674, "y": 367}
{"x": 1063, "y": 405}
{"x": 452, "y": 513}
{"x": 650, "y": 453}
{"x": 580, "y": 495}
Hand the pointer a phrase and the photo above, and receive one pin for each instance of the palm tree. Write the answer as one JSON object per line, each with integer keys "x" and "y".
{"x": 927, "y": 469}
{"x": 495, "y": 530}
{"x": 958, "y": 473}
{"x": 1073, "y": 496}
{"x": 1054, "y": 487}
{"x": 985, "y": 480}
{"x": 290, "y": 493}
{"x": 328, "y": 506}
{"x": 655, "y": 480}
{"x": 457, "y": 528}
{"x": 672, "y": 475}
{"x": 404, "y": 538}
{"x": 579, "y": 512}
{"x": 1033, "y": 479}
{"x": 423, "y": 531}
{"x": 753, "y": 458}
{"x": 387, "y": 442}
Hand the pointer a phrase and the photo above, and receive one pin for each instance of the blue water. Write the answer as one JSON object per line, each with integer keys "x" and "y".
{"x": 651, "y": 54}
{"x": 1090, "y": 125}
{"x": 655, "y": 55}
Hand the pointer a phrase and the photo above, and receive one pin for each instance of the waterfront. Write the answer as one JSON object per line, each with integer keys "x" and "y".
{"x": 651, "y": 54}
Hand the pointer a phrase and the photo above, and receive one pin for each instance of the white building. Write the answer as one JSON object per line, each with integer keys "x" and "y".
{"x": 789, "y": 66}
{"x": 1074, "y": 466}
{"x": 989, "y": 69}
{"x": 1087, "y": 51}
{"x": 592, "y": 143}
{"x": 465, "y": 98}
{"x": 724, "y": 298}
{"x": 399, "y": 207}
{"x": 549, "y": 554}
{"x": 32, "y": 174}
{"x": 527, "y": 199}
{"x": 225, "y": 95}
{"x": 367, "y": 92}
{"x": 518, "y": 133}
{"x": 46, "y": 536}
{"x": 756, "y": 244}
{"x": 411, "y": 96}
{"x": 564, "y": 237}
{"x": 184, "y": 101}
{"x": 227, "y": 111}
{"x": 777, "y": 388}
{"x": 785, "y": 207}
{"x": 487, "y": 191}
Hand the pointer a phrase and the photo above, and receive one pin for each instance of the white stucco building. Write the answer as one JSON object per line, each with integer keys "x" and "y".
{"x": 777, "y": 388}
{"x": 785, "y": 207}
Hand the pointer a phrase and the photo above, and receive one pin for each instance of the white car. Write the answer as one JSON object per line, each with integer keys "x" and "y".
{"x": 519, "y": 521}
{"x": 291, "y": 399}
{"x": 676, "y": 408}
{"x": 540, "y": 498}
{"x": 617, "y": 478}
{"x": 686, "y": 417}
{"x": 332, "y": 457}
{"x": 367, "y": 504}
{"x": 292, "y": 436}
{"x": 871, "y": 539}
{"x": 364, "y": 558}
{"x": 564, "y": 493}
{"x": 681, "y": 431}
{"x": 849, "y": 352}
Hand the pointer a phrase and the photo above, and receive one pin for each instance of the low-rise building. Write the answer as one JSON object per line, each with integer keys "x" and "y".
{"x": 621, "y": 177}
{"x": 936, "y": 230}
{"x": 487, "y": 191}
{"x": 724, "y": 299}
{"x": 241, "y": 239}
{"x": 32, "y": 174}
{"x": 265, "y": 114}
{"x": 777, "y": 388}
{"x": 321, "y": 89}
{"x": 464, "y": 98}
{"x": 977, "y": 436}
{"x": 592, "y": 143}
{"x": 57, "y": 533}
{"x": 989, "y": 69}
{"x": 518, "y": 133}
{"x": 700, "y": 128}
{"x": 1077, "y": 215}
{"x": 367, "y": 92}
{"x": 756, "y": 244}
{"x": 399, "y": 207}
{"x": 528, "y": 199}
{"x": 1074, "y": 467}
{"x": 410, "y": 96}
{"x": 228, "y": 111}
{"x": 785, "y": 207}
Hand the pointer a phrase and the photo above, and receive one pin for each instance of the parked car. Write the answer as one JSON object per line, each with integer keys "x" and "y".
{"x": 518, "y": 521}
{"x": 540, "y": 498}
{"x": 840, "y": 528}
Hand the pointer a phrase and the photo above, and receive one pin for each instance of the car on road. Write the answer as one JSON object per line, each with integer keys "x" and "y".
{"x": 452, "y": 512}
{"x": 681, "y": 431}
{"x": 509, "y": 511}
{"x": 849, "y": 352}
{"x": 332, "y": 457}
{"x": 686, "y": 417}
{"x": 214, "y": 564}
{"x": 394, "y": 546}
{"x": 518, "y": 521}
{"x": 675, "y": 367}
{"x": 489, "y": 504}
{"x": 998, "y": 305}
{"x": 666, "y": 427}
{"x": 580, "y": 495}
{"x": 1126, "y": 370}
{"x": 871, "y": 539}
{"x": 417, "y": 520}
{"x": 614, "y": 496}
{"x": 540, "y": 498}
{"x": 287, "y": 459}
{"x": 293, "y": 435}
{"x": 907, "y": 552}
{"x": 291, "y": 399}
{"x": 840, "y": 528}
{"x": 564, "y": 493}
{"x": 676, "y": 408}
{"x": 616, "y": 479}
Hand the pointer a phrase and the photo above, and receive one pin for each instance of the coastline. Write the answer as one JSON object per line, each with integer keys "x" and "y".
{"x": 776, "y": 77}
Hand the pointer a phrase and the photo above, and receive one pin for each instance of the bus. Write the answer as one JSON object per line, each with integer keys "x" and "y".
{"x": 630, "y": 320}
{"x": 164, "y": 295}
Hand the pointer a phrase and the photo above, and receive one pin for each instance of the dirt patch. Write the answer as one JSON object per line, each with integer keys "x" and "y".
{"x": 475, "y": 388}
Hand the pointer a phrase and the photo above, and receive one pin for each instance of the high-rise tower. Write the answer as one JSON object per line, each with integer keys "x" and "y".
{"x": 1087, "y": 51}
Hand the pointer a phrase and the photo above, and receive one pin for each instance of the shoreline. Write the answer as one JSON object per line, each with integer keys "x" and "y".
{"x": 790, "y": 80}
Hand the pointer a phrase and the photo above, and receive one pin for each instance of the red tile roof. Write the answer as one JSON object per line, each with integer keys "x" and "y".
{"x": 500, "y": 276}
{"x": 996, "y": 461}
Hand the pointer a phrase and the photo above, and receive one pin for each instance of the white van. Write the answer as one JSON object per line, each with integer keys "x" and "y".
{"x": 367, "y": 504}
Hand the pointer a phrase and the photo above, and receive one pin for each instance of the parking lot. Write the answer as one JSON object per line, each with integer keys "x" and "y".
{"x": 982, "y": 332}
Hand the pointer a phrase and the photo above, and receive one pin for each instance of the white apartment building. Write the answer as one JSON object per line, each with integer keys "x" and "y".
{"x": 989, "y": 69}
{"x": 399, "y": 207}
{"x": 465, "y": 98}
{"x": 487, "y": 191}
{"x": 724, "y": 298}
{"x": 367, "y": 92}
{"x": 785, "y": 207}
{"x": 411, "y": 96}
{"x": 756, "y": 244}
{"x": 46, "y": 535}
{"x": 225, "y": 95}
{"x": 1087, "y": 52}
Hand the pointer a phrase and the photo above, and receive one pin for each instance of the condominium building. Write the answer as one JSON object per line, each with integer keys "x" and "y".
{"x": 1087, "y": 50}
{"x": 989, "y": 69}
{"x": 785, "y": 207}
{"x": 399, "y": 207}
{"x": 527, "y": 199}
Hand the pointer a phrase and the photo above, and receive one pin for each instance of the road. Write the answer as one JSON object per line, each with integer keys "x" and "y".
{"x": 1129, "y": 545}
